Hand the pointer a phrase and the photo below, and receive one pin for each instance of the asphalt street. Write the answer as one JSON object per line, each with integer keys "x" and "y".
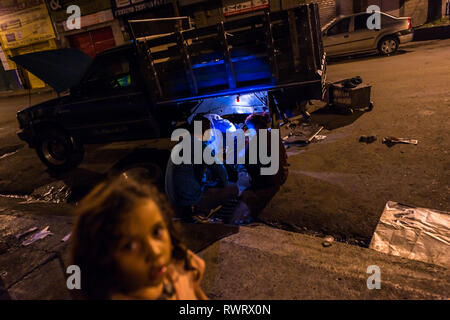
{"x": 338, "y": 186}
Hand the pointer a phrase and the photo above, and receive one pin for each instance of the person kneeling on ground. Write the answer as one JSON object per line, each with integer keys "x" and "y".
{"x": 263, "y": 187}
{"x": 187, "y": 185}
{"x": 126, "y": 248}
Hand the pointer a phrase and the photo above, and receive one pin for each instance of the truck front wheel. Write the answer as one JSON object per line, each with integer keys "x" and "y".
{"x": 58, "y": 151}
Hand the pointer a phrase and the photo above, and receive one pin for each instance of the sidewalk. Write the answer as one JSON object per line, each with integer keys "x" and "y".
{"x": 265, "y": 263}
{"x": 258, "y": 262}
{"x": 432, "y": 33}
{"x": 24, "y": 92}
{"x": 36, "y": 271}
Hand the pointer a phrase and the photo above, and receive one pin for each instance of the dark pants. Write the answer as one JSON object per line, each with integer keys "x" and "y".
{"x": 214, "y": 197}
{"x": 257, "y": 199}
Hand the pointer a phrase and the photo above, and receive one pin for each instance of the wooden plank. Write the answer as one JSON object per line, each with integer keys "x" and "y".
{"x": 187, "y": 63}
{"x": 232, "y": 83}
{"x": 154, "y": 73}
{"x": 243, "y": 22}
{"x": 160, "y": 41}
{"x": 311, "y": 37}
{"x": 271, "y": 51}
{"x": 293, "y": 32}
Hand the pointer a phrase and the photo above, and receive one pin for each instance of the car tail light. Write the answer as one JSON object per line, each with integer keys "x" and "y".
{"x": 409, "y": 23}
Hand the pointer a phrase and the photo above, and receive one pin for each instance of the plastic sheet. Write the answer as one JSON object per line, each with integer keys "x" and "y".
{"x": 414, "y": 233}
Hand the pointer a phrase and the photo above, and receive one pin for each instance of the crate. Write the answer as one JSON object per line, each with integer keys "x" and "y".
{"x": 354, "y": 98}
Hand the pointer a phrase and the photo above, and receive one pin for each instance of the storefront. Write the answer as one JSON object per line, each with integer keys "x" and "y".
{"x": 25, "y": 27}
{"x": 212, "y": 11}
{"x": 417, "y": 9}
{"x": 99, "y": 30}
{"x": 94, "y": 41}
{"x": 125, "y": 10}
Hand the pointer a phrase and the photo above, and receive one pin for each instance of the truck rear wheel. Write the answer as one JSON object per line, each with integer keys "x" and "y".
{"x": 58, "y": 151}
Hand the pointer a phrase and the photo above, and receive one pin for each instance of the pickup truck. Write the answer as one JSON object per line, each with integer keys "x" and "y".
{"x": 145, "y": 89}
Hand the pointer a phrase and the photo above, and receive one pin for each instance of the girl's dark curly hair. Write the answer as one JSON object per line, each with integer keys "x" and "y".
{"x": 96, "y": 233}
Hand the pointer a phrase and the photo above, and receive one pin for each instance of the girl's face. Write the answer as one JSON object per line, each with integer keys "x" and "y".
{"x": 145, "y": 248}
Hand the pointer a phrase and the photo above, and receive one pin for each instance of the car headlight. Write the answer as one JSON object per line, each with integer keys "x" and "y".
{"x": 23, "y": 118}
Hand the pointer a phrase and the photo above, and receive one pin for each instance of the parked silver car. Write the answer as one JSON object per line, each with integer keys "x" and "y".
{"x": 350, "y": 34}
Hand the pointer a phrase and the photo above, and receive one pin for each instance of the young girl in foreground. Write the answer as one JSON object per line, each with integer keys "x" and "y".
{"x": 126, "y": 248}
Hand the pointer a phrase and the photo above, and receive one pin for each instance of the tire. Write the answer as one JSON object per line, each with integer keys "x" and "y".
{"x": 58, "y": 151}
{"x": 388, "y": 45}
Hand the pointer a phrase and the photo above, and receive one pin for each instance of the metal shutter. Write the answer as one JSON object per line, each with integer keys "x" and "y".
{"x": 327, "y": 10}
{"x": 346, "y": 7}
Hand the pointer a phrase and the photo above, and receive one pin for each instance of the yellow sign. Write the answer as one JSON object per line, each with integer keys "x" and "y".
{"x": 25, "y": 27}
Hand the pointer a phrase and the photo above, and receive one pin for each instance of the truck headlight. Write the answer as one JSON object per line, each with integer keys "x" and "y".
{"x": 23, "y": 118}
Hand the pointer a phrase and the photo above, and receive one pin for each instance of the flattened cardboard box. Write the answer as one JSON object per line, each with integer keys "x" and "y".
{"x": 414, "y": 233}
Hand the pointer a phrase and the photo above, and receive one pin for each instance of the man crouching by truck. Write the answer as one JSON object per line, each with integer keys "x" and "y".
{"x": 186, "y": 184}
{"x": 263, "y": 187}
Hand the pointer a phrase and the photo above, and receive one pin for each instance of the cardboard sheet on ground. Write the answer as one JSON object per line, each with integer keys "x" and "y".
{"x": 414, "y": 233}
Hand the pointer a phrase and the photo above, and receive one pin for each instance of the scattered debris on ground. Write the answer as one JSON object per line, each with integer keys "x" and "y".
{"x": 327, "y": 241}
{"x": 414, "y": 233}
{"x": 368, "y": 139}
{"x": 352, "y": 83}
{"x": 319, "y": 137}
{"x": 56, "y": 192}
{"x": 20, "y": 235}
{"x": 394, "y": 140}
{"x": 9, "y": 151}
{"x": 37, "y": 236}
{"x": 298, "y": 132}
{"x": 66, "y": 237}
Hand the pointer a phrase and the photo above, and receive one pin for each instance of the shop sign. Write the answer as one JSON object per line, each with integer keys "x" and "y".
{"x": 245, "y": 7}
{"x": 25, "y": 27}
{"x": 93, "y": 19}
{"x": 124, "y": 7}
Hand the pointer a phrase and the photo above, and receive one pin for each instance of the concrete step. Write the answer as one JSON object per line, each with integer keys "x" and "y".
{"x": 265, "y": 263}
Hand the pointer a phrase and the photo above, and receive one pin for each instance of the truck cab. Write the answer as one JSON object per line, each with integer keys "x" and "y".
{"x": 108, "y": 104}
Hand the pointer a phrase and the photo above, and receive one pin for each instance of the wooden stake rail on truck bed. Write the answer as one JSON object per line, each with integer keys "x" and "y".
{"x": 268, "y": 51}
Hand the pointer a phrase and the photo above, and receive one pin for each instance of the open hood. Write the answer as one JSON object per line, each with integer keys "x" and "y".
{"x": 61, "y": 69}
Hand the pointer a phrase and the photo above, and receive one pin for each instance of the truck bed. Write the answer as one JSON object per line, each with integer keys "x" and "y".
{"x": 267, "y": 52}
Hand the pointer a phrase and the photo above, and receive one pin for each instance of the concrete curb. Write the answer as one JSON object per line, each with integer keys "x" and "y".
{"x": 432, "y": 33}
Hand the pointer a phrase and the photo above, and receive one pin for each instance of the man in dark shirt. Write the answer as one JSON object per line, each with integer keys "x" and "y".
{"x": 187, "y": 186}
{"x": 263, "y": 187}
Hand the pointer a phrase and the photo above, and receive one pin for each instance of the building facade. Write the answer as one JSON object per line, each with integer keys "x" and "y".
{"x": 210, "y": 11}
{"x": 421, "y": 11}
{"x": 35, "y": 25}
{"x": 25, "y": 27}
{"x": 99, "y": 30}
